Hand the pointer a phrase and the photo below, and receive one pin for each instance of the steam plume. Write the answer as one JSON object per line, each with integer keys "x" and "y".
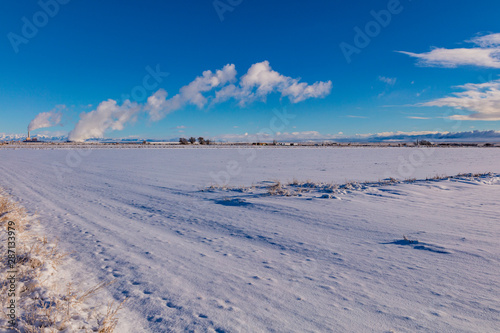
{"x": 256, "y": 84}
{"x": 46, "y": 119}
{"x": 108, "y": 115}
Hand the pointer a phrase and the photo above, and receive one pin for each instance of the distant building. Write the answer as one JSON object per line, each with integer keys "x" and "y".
{"x": 30, "y": 139}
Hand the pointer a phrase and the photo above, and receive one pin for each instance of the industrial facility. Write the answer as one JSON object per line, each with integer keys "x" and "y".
{"x": 30, "y": 139}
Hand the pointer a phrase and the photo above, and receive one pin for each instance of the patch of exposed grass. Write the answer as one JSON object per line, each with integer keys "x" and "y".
{"x": 42, "y": 305}
{"x": 297, "y": 187}
{"x": 279, "y": 189}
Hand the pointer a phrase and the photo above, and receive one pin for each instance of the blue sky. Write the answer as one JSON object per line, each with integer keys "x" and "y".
{"x": 88, "y": 52}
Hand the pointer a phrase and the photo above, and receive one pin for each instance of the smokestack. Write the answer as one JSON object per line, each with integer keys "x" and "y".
{"x": 28, "y": 134}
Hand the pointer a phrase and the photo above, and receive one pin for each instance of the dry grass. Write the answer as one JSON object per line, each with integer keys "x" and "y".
{"x": 438, "y": 177}
{"x": 474, "y": 175}
{"x": 216, "y": 187}
{"x": 108, "y": 322}
{"x": 41, "y": 305}
{"x": 297, "y": 187}
{"x": 331, "y": 188}
{"x": 278, "y": 189}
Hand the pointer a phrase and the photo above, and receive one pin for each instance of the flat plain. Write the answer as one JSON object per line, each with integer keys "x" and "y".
{"x": 197, "y": 242}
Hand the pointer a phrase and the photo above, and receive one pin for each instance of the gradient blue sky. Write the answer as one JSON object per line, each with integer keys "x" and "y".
{"x": 91, "y": 51}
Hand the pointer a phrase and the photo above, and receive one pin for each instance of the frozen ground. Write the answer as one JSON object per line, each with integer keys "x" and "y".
{"x": 229, "y": 261}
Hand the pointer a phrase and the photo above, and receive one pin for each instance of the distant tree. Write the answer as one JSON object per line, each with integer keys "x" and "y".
{"x": 275, "y": 142}
{"x": 207, "y": 141}
{"x": 183, "y": 141}
{"x": 192, "y": 140}
{"x": 201, "y": 140}
{"x": 425, "y": 143}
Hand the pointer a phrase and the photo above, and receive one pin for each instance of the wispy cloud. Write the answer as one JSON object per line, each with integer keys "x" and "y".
{"x": 414, "y": 117}
{"x": 481, "y": 99}
{"x": 388, "y": 80}
{"x": 394, "y": 136}
{"x": 404, "y": 134}
{"x": 487, "y": 40}
{"x": 280, "y": 136}
{"x": 485, "y": 53}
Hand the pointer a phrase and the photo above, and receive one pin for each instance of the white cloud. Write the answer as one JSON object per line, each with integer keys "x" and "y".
{"x": 262, "y": 77}
{"x": 487, "y": 40}
{"x": 260, "y": 81}
{"x": 401, "y": 136}
{"x": 298, "y": 92}
{"x": 158, "y": 105}
{"x": 388, "y": 80}
{"x": 486, "y": 53}
{"x": 459, "y": 57}
{"x": 268, "y": 137}
{"x": 192, "y": 92}
{"x": 401, "y": 133}
{"x": 414, "y": 117}
{"x": 482, "y": 99}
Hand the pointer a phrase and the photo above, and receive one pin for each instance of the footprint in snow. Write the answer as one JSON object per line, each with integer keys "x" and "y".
{"x": 173, "y": 306}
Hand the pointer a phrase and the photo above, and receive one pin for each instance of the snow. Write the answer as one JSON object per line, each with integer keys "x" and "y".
{"x": 244, "y": 261}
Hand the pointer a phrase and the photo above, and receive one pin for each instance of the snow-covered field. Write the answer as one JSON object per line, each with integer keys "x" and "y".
{"x": 244, "y": 261}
